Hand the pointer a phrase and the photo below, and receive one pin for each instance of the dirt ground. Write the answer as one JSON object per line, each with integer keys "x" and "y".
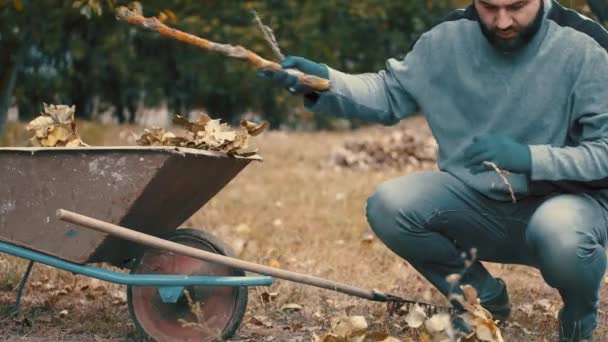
{"x": 289, "y": 211}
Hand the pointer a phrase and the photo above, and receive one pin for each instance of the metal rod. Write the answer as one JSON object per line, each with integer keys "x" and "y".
{"x": 152, "y": 241}
{"x": 126, "y": 279}
{"x": 22, "y": 283}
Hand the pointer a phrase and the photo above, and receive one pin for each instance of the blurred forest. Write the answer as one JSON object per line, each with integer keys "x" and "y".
{"x": 76, "y": 52}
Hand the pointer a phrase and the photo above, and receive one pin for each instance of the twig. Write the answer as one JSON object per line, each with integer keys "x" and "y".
{"x": 501, "y": 173}
{"x": 269, "y": 36}
{"x": 238, "y": 52}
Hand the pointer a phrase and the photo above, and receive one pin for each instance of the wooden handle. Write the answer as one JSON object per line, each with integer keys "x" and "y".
{"x": 154, "y": 242}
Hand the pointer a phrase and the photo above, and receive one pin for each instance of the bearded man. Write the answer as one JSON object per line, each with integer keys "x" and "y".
{"x": 522, "y": 84}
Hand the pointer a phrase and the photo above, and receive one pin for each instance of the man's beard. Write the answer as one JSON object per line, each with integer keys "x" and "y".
{"x": 524, "y": 34}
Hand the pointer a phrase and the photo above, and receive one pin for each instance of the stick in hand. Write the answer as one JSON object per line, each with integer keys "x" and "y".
{"x": 316, "y": 83}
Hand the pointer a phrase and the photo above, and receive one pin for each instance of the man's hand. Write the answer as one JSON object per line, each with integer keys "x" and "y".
{"x": 291, "y": 82}
{"x": 503, "y": 151}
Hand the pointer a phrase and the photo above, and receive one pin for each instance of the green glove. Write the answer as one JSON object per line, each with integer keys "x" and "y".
{"x": 503, "y": 151}
{"x": 290, "y": 82}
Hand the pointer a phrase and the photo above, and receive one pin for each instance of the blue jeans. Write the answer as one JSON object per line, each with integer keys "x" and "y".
{"x": 431, "y": 218}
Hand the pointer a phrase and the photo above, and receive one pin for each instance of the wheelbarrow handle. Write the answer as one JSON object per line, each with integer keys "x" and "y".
{"x": 155, "y": 242}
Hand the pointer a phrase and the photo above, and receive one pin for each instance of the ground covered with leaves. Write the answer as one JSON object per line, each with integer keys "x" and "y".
{"x": 300, "y": 209}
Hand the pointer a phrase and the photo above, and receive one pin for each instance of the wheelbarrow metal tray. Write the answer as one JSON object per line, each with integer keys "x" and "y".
{"x": 149, "y": 189}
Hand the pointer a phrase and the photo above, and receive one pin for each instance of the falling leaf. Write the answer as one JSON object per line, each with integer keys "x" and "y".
{"x": 475, "y": 316}
{"x": 416, "y": 317}
{"x": 254, "y": 129}
{"x": 453, "y": 278}
{"x": 470, "y": 294}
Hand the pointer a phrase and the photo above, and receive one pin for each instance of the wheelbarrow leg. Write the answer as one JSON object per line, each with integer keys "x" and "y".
{"x": 22, "y": 283}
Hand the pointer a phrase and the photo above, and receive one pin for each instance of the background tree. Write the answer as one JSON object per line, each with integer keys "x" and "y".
{"x": 78, "y": 53}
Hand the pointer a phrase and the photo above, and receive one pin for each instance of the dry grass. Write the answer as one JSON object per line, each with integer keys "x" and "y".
{"x": 301, "y": 216}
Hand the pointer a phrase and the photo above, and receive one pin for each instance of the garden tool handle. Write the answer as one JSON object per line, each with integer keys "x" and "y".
{"x": 155, "y": 242}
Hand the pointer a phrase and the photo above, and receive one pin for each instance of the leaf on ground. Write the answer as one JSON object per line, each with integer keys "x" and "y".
{"x": 291, "y": 307}
{"x": 261, "y": 320}
{"x": 416, "y": 317}
{"x": 268, "y": 297}
{"x": 350, "y": 327}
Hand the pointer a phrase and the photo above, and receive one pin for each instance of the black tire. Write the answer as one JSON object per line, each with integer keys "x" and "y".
{"x": 202, "y": 240}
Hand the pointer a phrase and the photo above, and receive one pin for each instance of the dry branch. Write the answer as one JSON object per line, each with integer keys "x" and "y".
{"x": 269, "y": 36}
{"x": 238, "y": 52}
{"x": 502, "y": 175}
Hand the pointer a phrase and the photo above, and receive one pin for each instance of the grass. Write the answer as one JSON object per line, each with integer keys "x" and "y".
{"x": 288, "y": 211}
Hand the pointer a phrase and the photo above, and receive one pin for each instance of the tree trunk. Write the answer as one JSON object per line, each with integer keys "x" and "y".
{"x": 8, "y": 79}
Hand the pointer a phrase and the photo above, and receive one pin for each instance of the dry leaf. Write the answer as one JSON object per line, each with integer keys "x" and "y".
{"x": 268, "y": 297}
{"x": 261, "y": 320}
{"x": 390, "y": 339}
{"x": 55, "y": 127}
{"x": 479, "y": 319}
{"x": 405, "y": 149}
{"x": 291, "y": 307}
{"x": 61, "y": 114}
{"x": 416, "y": 317}
{"x": 349, "y": 327}
{"x": 41, "y": 124}
{"x": 205, "y": 134}
{"x": 470, "y": 294}
{"x": 438, "y": 323}
{"x": 453, "y": 278}
{"x": 254, "y": 129}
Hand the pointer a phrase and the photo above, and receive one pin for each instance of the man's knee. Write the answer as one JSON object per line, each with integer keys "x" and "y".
{"x": 401, "y": 205}
{"x": 566, "y": 234}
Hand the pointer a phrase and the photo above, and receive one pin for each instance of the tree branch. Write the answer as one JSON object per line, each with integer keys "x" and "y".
{"x": 238, "y": 52}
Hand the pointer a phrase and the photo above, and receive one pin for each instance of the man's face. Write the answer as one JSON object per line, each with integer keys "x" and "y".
{"x": 509, "y": 24}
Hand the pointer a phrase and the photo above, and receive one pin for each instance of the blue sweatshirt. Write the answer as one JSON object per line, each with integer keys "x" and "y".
{"x": 551, "y": 95}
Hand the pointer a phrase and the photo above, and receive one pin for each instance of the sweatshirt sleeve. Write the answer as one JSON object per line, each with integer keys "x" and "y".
{"x": 384, "y": 97}
{"x": 587, "y": 160}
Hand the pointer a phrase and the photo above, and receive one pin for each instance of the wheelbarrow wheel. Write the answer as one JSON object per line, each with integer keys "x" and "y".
{"x": 203, "y": 313}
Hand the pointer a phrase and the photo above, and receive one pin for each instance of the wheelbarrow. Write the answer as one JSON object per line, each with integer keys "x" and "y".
{"x": 68, "y": 208}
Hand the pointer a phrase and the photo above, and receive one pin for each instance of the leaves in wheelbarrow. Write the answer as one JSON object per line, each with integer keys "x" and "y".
{"x": 205, "y": 134}
{"x": 55, "y": 127}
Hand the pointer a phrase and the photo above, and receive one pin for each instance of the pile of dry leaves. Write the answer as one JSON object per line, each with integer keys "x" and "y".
{"x": 206, "y": 134}
{"x": 398, "y": 150}
{"x": 425, "y": 327}
{"x": 55, "y": 127}
{"x": 434, "y": 328}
